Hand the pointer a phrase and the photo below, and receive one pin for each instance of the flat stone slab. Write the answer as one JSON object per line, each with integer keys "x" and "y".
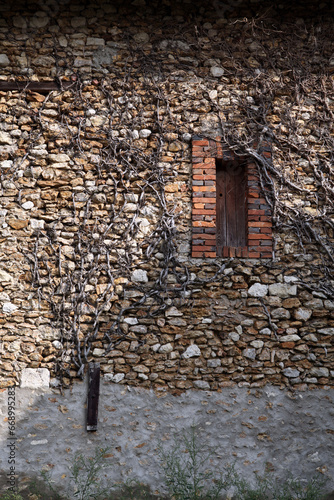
{"x": 34, "y": 378}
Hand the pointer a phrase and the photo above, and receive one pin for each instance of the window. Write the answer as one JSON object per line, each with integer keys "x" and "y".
{"x": 230, "y": 217}
{"x": 230, "y": 205}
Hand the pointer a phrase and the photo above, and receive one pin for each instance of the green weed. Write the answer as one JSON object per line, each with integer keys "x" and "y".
{"x": 267, "y": 487}
{"x": 10, "y": 495}
{"x": 187, "y": 469}
{"x": 85, "y": 474}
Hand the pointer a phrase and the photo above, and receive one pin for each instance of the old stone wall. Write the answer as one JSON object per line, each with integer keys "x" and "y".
{"x": 251, "y": 428}
{"x": 96, "y": 179}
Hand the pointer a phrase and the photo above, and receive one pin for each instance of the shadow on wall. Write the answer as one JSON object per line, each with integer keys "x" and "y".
{"x": 251, "y": 428}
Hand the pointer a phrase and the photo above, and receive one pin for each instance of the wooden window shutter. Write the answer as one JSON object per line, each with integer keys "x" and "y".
{"x": 231, "y": 217}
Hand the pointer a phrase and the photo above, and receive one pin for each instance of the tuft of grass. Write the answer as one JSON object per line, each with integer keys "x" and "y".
{"x": 188, "y": 475}
{"x": 133, "y": 489}
{"x": 188, "y": 472}
{"x": 267, "y": 487}
{"x": 85, "y": 481}
{"x": 187, "y": 469}
{"x": 85, "y": 475}
{"x": 10, "y": 495}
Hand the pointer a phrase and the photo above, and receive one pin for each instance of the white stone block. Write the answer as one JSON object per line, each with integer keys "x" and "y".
{"x": 282, "y": 290}
{"x": 291, "y": 372}
{"x": 145, "y": 132}
{"x": 166, "y": 348}
{"x": 173, "y": 311}
{"x": 116, "y": 378}
{"x": 258, "y": 290}
{"x": 131, "y": 321}
{"x": 257, "y": 344}
{"x": 139, "y": 276}
{"x": 303, "y": 314}
{"x": 28, "y": 205}
{"x": 319, "y": 371}
{"x": 9, "y": 308}
{"x": 34, "y": 378}
{"x": 37, "y": 224}
{"x": 290, "y": 338}
{"x": 326, "y": 331}
{"x": 216, "y": 71}
{"x": 191, "y": 352}
{"x": 4, "y": 276}
{"x": 6, "y": 164}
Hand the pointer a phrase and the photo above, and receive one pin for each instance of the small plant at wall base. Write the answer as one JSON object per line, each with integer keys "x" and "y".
{"x": 85, "y": 475}
{"x": 85, "y": 479}
{"x": 188, "y": 475}
{"x": 268, "y": 487}
{"x": 187, "y": 470}
{"x": 11, "y": 496}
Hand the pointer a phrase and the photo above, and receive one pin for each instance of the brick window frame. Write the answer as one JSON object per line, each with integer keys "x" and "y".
{"x": 259, "y": 238}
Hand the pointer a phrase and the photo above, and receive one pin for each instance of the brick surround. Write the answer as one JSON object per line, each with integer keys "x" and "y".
{"x": 259, "y": 224}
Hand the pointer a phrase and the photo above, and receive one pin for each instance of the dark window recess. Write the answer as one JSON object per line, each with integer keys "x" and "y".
{"x": 231, "y": 217}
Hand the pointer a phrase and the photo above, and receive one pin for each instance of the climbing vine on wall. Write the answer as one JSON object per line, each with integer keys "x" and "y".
{"x": 117, "y": 142}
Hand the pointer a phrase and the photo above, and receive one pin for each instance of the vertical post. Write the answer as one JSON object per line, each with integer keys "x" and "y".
{"x": 93, "y": 396}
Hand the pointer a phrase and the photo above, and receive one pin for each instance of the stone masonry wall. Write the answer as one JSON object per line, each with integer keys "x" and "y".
{"x": 96, "y": 204}
{"x": 252, "y": 428}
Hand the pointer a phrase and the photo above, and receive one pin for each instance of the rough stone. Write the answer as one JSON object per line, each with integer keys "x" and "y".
{"x": 5, "y": 277}
{"x": 217, "y": 71}
{"x": 282, "y": 290}
{"x": 35, "y": 378}
{"x": 131, "y": 321}
{"x": 257, "y": 344}
{"x": 144, "y": 133}
{"x": 28, "y": 205}
{"x": 291, "y": 372}
{"x": 258, "y": 290}
{"x": 19, "y": 22}
{"x": 249, "y": 353}
{"x": 9, "y": 308}
{"x": 40, "y": 20}
{"x": 141, "y": 37}
{"x": 4, "y": 61}
{"x": 290, "y": 338}
{"x": 173, "y": 311}
{"x": 280, "y": 313}
{"x": 310, "y": 337}
{"x": 166, "y": 348}
{"x": 303, "y": 314}
{"x": 139, "y": 276}
{"x": 116, "y": 378}
{"x": 191, "y": 352}
{"x": 37, "y": 224}
{"x": 78, "y": 22}
{"x": 141, "y": 369}
{"x": 326, "y": 331}
{"x": 319, "y": 371}
{"x": 201, "y": 384}
{"x": 214, "y": 363}
{"x": 5, "y": 138}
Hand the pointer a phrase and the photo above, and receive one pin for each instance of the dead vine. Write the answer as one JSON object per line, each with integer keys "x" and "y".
{"x": 117, "y": 130}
